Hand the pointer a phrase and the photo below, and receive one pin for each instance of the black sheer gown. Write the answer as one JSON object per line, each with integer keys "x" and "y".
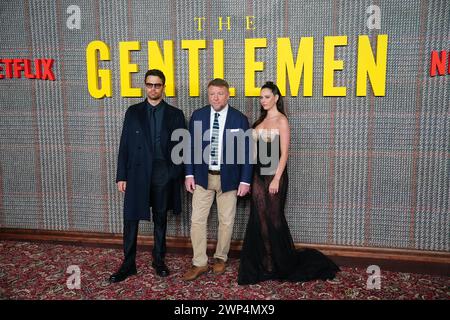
{"x": 268, "y": 250}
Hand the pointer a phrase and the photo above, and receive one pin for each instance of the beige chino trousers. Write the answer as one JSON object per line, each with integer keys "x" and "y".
{"x": 202, "y": 201}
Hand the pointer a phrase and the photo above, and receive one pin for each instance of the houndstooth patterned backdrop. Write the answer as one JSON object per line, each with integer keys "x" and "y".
{"x": 364, "y": 171}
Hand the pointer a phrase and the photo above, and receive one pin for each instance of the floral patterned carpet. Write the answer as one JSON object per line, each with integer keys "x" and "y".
{"x": 41, "y": 271}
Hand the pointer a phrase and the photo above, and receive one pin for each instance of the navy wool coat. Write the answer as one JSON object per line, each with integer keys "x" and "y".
{"x": 135, "y": 158}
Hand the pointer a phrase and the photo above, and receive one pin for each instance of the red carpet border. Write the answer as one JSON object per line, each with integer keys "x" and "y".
{"x": 39, "y": 271}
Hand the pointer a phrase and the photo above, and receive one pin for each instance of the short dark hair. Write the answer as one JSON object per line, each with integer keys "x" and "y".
{"x": 156, "y": 72}
{"x": 217, "y": 82}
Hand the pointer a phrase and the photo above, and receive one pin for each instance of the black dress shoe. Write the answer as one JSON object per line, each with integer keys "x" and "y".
{"x": 122, "y": 274}
{"x": 161, "y": 269}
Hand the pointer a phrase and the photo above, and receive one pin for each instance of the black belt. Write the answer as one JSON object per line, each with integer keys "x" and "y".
{"x": 214, "y": 172}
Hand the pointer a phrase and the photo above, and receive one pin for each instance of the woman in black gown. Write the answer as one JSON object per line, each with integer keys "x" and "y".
{"x": 268, "y": 250}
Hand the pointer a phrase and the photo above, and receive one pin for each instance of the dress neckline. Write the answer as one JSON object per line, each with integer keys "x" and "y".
{"x": 267, "y": 135}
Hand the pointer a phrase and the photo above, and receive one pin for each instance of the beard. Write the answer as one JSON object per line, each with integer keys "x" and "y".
{"x": 154, "y": 96}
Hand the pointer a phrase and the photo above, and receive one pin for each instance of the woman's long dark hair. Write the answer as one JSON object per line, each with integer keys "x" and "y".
{"x": 280, "y": 105}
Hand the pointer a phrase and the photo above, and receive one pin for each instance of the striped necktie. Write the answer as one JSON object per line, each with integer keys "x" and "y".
{"x": 214, "y": 155}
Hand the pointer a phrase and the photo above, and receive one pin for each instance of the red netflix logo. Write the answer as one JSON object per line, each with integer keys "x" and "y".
{"x": 438, "y": 63}
{"x": 31, "y": 69}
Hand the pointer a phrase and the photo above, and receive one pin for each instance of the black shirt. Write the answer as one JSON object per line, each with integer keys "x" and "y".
{"x": 155, "y": 117}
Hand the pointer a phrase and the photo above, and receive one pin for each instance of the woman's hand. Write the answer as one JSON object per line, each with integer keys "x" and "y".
{"x": 274, "y": 185}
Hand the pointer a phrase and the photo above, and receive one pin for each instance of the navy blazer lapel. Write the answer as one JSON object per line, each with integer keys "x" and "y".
{"x": 227, "y": 125}
{"x": 228, "y": 119}
{"x": 204, "y": 118}
{"x": 206, "y": 122}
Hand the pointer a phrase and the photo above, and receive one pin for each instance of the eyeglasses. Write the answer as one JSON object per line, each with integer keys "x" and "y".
{"x": 153, "y": 85}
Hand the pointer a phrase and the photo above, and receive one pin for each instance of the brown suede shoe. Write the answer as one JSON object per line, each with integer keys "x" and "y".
{"x": 219, "y": 266}
{"x": 194, "y": 272}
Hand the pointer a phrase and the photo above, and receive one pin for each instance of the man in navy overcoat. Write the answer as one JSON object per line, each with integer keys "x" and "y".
{"x": 146, "y": 172}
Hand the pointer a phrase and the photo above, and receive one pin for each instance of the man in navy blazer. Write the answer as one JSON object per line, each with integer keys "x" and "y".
{"x": 146, "y": 173}
{"x": 217, "y": 175}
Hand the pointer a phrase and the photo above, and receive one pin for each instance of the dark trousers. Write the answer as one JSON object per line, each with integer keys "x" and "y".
{"x": 158, "y": 196}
